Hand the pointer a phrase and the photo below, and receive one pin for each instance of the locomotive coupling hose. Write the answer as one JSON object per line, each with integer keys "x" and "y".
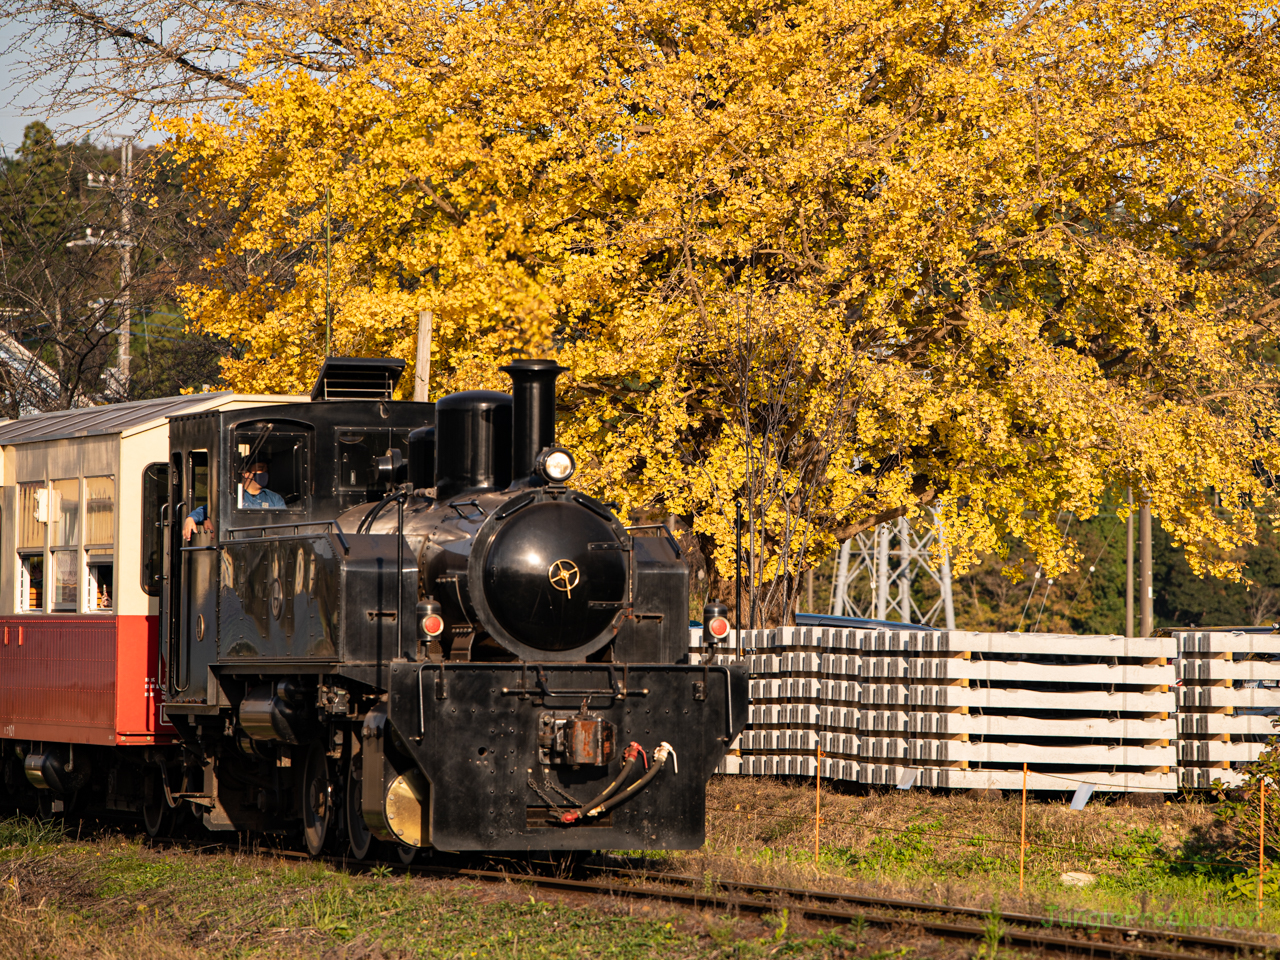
{"x": 659, "y": 761}
{"x": 629, "y": 755}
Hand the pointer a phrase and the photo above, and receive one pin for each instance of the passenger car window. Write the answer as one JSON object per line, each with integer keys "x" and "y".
{"x": 32, "y": 523}
{"x": 64, "y": 541}
{"x": 99, "y": 543}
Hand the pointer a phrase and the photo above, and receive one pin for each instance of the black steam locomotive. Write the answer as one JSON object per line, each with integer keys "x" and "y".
{"x": 424, "y": 636}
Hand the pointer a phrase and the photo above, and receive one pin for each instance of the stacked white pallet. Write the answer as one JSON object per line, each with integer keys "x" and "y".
{"x": 884, "y": 704}
{"x": 1076, "y": 709}
{"x": 1228, "y": 696}
{"x": 803, "y": 701}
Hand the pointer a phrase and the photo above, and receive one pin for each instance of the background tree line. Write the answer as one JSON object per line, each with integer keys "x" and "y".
{"x": 62, "y": 293}
{"x": 837, "y": 261}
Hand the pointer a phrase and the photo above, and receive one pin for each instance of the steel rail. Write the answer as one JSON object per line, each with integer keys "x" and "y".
{"x": 835, "y": 907}
{"x": 1216, "y": 943}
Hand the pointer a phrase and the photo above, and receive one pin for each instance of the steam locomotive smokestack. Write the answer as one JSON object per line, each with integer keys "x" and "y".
{"x": 533, "y": 389}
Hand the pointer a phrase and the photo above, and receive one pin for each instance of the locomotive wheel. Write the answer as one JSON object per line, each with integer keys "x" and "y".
{"x": 359, "y": 839}
{"x": 403, "y": 851}
{"x": 317, "y": 800}
{"x": 157, "y": 815}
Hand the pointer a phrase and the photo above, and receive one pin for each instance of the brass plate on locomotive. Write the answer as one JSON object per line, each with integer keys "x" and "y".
{"x": 406, "y": 807}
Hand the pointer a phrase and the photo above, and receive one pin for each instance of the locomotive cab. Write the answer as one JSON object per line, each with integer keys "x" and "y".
{"x": 252, "y": 577}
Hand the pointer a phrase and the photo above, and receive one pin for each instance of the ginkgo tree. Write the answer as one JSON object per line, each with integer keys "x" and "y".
{"x": 834, "y": 260}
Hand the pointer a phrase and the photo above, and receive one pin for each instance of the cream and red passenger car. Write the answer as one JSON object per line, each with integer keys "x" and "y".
{"x": 83, "y": 496}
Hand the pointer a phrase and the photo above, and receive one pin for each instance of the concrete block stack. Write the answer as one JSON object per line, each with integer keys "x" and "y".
{"x": 1093, "y": 709}
{"x": 1228, "y": 695}
{"x": 798, "y": 705}
{"x": 955, "y": 709}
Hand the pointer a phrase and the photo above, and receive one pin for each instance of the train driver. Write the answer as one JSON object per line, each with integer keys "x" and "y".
{"x": 254, "y": 493}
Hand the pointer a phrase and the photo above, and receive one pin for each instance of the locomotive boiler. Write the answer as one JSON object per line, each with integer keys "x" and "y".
{"x": 398, "y": 623}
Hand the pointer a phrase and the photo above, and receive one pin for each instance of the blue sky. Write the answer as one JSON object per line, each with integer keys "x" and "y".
{"x": 19, "y": 105}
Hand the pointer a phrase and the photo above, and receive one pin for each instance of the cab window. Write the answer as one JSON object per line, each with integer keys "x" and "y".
{"x": 269, "y": 468}
{"x": 358, "y": 452}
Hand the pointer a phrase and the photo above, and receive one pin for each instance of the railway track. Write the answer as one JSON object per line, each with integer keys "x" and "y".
{"x": 956, "y": 923}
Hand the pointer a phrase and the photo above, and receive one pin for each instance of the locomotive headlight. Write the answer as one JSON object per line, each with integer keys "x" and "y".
{"x": 556, "y": 464}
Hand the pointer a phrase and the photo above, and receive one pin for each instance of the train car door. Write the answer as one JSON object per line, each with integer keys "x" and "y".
{"x": 199, "y": 576}
{"x": 193, "y": 563}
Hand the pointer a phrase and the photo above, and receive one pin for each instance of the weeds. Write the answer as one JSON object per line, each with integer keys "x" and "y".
{"x": 1165, "y": 860}
{"x": 992, "y": 934}
{"x": 29, "y": 832}
{"x": 115, "y": 899}
{"x": 779, "y": 922}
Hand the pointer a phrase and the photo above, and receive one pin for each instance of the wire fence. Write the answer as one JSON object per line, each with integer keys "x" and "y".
{"x": 1084, "y": 852}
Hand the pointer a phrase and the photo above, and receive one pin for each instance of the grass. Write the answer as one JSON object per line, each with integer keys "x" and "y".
{"x": 107, "y": 894}
{"x": 1155, "y": 865}
{"x": 115, "y": 897}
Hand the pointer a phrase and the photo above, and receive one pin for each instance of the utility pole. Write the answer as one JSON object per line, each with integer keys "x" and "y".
{"x": 121, "y": 188}
{"x": 125, "y": 197}
{"x": 882, "y": 572}
{"x": 1128, "y": 570}
{"x": 1146, "y": 598}
{"x": 737, "y": 572}
{"x": 328, "y": 262}
{"x": 840, "y": 584}
{"x": 422, "y": 368}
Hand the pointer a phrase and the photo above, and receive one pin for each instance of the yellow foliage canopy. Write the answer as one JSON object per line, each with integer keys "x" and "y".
{"x": 838, "y": 258}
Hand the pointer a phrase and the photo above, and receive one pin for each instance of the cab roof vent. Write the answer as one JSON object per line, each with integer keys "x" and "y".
{"x": 357, "y": 378}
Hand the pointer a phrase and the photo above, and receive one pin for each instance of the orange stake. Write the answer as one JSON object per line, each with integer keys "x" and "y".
{"x": 817, "y": 803}
{"x": 1022, "y": 847}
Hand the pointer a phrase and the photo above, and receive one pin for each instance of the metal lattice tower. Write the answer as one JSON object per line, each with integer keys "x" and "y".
{"x": 891, "y": 556}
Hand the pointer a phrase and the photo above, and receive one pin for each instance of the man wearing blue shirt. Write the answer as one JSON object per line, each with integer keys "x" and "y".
{"x": 254, "y": 494}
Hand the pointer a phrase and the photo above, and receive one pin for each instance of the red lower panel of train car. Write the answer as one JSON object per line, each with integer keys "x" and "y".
{"x": 81, "y": 680}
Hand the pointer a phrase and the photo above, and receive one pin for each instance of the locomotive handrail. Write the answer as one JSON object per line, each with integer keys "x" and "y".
{"x": 728, "y": 699}
{"x": 166, "y": 601}
{"x": 618, "y": 691}
{"x": 400, "y": 576}
{"x": 281, "y": 526}
{"x": 658, "y": 526}
{"x": 457, "y": 504}
{"x": 337, "y": 529}
{"x": 178, "y": 660}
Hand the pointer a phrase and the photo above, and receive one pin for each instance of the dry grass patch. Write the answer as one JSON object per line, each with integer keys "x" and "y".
{"x": 1156, "y": 862}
